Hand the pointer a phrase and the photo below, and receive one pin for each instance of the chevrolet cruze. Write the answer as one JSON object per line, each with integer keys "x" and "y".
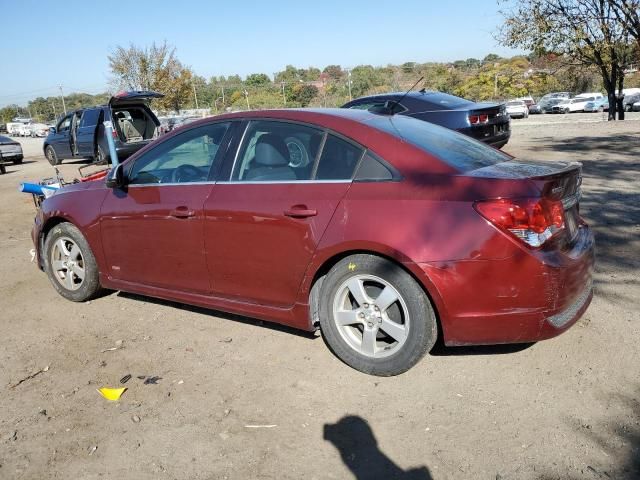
{"x": 383, "y": 231}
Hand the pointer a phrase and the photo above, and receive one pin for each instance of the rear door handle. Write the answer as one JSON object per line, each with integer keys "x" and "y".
{"x": 300, "y": 211}
{"x": 182, "y": 212}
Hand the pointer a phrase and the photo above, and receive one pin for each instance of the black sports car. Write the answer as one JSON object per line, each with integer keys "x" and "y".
{"x": 487, "y": 122}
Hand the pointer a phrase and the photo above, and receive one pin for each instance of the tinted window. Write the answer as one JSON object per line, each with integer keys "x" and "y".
{"x": 381, "y": 106}
{"x": 187, "y": 157}
{"x": 89, "y": 118}
{"x": 64, "y": 124}
{"x": 338, "y": 160}
{"x": 457, "y": 150}
{"x": 277, "y": 151}
{"x": 372, "y": 169}
{"x": 443, "y": 101}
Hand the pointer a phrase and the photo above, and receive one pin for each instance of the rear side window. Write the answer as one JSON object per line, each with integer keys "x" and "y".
{"x": 372, "y": 170}
{"x": 89, "y": 118}
{"x": 339, "y": 159}
{"x": 457, "y": 150}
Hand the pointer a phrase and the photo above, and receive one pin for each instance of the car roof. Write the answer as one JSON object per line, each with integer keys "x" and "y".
{"x": 358, "y": 125}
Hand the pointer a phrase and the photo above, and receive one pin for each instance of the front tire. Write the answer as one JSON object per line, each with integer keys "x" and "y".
{"x": 50, "y": 153}
{"x": 375, "y": 317}
{"x": 70, "y": 263}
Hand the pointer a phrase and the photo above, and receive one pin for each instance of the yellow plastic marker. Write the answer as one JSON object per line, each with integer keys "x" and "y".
{"x": 111, "y": 394}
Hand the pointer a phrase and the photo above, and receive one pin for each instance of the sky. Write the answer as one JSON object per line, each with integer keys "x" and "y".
{"x": 46, "y": 44}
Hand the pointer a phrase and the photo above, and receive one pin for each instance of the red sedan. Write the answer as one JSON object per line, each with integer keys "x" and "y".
{"x": 383, "y": 231}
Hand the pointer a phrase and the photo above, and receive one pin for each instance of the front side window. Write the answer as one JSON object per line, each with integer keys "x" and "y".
{"x": 188, "y": 157}
{"x": 64, "y": 124}
{"x": 277, "y": 151}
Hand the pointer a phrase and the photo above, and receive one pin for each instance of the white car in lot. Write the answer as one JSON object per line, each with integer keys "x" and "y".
{"x": 576, "y": 104}
{"x": 517, "y": 109}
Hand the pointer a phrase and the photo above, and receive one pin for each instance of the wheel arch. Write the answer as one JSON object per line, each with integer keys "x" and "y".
{"x": 320, "y": 272}
{"x": 49, "y": 224}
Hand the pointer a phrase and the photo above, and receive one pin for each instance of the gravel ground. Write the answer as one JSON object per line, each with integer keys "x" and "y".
{"x": 230, "y": 397}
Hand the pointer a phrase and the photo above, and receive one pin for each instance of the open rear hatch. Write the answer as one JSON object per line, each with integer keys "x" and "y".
{"x": 132, "y": 97}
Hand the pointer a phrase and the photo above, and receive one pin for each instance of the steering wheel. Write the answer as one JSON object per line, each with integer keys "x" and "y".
{"x": 185, "y": 173}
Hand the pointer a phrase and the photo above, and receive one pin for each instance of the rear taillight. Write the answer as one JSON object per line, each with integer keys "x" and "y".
{"x": 114, "y": 134}
{"x": 532, "y": 220}
{"x": 478, "y": 119}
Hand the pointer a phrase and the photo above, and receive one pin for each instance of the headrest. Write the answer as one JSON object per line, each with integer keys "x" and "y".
{"x": 271, "y": 151}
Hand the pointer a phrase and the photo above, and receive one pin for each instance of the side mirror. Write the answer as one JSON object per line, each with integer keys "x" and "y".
{"x": 52, "y": 129}
{"x": 116, "y": 177}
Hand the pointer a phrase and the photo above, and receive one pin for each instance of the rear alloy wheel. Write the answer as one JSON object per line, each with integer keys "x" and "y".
{"x": 375, "y": 317}
{"x": 70, "y": 264}
{"x": 50, "y": 153}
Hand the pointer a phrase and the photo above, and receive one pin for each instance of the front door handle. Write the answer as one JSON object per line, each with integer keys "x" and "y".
{"x": 182, "y": 212}
{"x": 300, "y": 211}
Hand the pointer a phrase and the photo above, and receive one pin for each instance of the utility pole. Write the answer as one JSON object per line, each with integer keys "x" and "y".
{"x": 195, "y": 95}
{"x": 349, "y": 83}
{"x": 246, "y": 96}
{"x": 222, "y": 98}
{"x": 284, "y": 96}
{"x": 64, "y": 107}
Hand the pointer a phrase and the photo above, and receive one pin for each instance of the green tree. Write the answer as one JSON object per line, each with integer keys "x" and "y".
{"x": 153, "y": 68}
{"x": 257, "y": 80}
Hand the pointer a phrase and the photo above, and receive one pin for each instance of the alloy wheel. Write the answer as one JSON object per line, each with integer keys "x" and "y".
{"x": 371, "y": 316}
{"x": 67, "y": 263}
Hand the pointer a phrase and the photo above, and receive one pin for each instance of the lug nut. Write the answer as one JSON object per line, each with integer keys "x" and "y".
{"x": 366, "y": 305}
{"x": 361, "y": 315}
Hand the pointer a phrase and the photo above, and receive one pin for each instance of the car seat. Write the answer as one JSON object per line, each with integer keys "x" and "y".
{"x": 271, "y": 160}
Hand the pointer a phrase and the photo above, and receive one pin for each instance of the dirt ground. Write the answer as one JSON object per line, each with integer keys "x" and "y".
{"x": 232, "y": 398}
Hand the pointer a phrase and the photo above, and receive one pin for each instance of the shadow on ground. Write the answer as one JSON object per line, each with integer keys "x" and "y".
{"x": 354, "y": 439}
{"x": 220, "y": 314}
{"x": 611, "y": 435}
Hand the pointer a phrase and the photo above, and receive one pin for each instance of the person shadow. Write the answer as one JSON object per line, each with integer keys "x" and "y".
{"x": 358, "y": 447}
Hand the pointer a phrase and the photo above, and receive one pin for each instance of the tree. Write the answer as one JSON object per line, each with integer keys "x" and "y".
{"x": 257, "y": 80}
{"x": 583, "y": 32}
{"x": 304, "y": 93}
{"x": 153, "y": 68}
{"x": 334, "y": 71}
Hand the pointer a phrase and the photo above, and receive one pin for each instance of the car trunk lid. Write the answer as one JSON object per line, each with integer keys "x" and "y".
{"x": 133, "y": 97}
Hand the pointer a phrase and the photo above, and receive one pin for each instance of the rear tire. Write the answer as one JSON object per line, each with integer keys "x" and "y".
{"x": 50, "y": 153}
{"x": 70, "y": 263}
{"x": 375, "y": 317}
{"x": 100, "y": 157}
{"x": 18, "y": 160}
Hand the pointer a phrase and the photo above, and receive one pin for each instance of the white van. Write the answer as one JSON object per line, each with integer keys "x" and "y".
{"x": 594, "y": 95}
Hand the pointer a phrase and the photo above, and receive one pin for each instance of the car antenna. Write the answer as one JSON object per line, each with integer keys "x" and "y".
{"x": 397, "y": 102}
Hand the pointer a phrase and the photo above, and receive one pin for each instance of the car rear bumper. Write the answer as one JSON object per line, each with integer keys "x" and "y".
{"x": 525, "y": 297}
{"x": 496, "y": 135}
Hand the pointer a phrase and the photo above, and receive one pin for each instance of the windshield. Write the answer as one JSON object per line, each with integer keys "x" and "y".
{"x": 456, "y": 150}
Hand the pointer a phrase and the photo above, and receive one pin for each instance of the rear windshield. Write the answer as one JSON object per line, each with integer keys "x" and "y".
{"x": 444, "y": 100}
{"x": 515, "y": 103}
{"x": 457, "y": 150}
